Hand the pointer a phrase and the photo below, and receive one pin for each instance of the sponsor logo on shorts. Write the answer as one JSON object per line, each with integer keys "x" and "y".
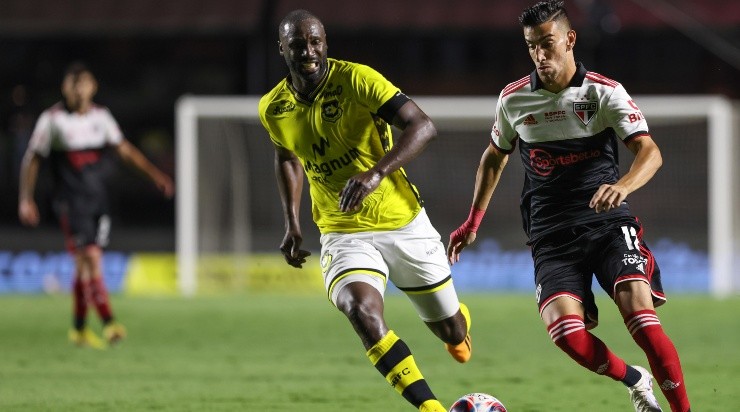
{"x": 633, "y": 259}
{"x": 432, "y": 251}
{"x": 326, "y": 262}
{"x": 538, "y": 292}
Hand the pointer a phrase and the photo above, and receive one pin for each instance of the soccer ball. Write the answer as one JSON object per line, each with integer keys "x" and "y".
{"x": 478, "y": 402}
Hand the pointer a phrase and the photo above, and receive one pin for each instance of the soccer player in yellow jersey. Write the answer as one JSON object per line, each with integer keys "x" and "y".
{"x": 329, "y": 121}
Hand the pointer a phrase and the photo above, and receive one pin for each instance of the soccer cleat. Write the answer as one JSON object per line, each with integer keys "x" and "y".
{"x": 463, "y": 350}
{"x": 641, "y": 393}
{"x": 432, "y": 405}
{"x": 86, "y": 338}
{"x": 114, "y": 332}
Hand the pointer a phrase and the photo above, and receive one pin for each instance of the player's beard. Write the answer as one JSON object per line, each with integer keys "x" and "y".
{"x": 312, "y": 75}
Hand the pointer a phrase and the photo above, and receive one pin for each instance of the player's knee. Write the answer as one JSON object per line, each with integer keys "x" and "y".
{"x": 367, "y": 321}
{"x": 91, "y": 252}
{"x": 361, "y": 312}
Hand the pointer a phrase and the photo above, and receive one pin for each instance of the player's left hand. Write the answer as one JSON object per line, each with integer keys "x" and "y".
{"x": 291, "y": 249}
{"x": 165, "y": 185}
{"x": 28, "y": 213}
{"x": 358, "y": 187}
{"x": 459, "y": 240}
{"x": 608, "y": 197}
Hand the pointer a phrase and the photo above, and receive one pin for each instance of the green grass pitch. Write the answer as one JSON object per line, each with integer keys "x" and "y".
{"x": 296, "y": 352}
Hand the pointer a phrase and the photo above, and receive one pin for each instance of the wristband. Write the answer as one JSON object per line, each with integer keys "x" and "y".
{"x": 474, "y": 219}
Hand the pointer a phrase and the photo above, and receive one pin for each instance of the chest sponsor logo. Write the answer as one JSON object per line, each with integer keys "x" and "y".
{"x": 319, "y": 150}
{"x": 543, "y": 163}
{"x": 330, "y": 111}
{"x": 585, "y": 110}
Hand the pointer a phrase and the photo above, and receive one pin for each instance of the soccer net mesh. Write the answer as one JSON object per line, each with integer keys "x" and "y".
{"x": 230, "y": 224}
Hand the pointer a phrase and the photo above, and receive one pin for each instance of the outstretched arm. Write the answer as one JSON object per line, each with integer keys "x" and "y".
{"x": 28, "y": 211}
{"x": 289, "y": 173}
{"x": 491, "y": 166}
{"x": 646, "y": 163}
{"x": 417, "y": 131}
{"x": 131, "y": 155}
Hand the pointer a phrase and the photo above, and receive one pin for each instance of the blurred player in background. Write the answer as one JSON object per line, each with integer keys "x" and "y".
{"x": 73, "y": 135}
{"x": 566, "y": 121}
{"x": 329, "y": 120}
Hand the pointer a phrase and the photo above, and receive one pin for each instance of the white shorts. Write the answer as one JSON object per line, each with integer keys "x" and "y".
{"x": 412, "y": 257}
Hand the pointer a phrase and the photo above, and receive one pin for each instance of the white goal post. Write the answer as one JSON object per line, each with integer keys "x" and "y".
{"x": 476, "y": 113}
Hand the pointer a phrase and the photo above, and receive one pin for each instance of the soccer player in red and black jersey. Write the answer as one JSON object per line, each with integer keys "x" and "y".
{"x": 567, "y": 122}
{"x": 73, "y": 135}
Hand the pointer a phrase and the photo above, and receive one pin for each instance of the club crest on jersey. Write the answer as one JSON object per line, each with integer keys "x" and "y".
{"x": 330, "y": 111}
{"x": 586, "y": 110}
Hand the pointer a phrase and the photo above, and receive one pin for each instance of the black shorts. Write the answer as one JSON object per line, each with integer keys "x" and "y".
{"x": 84, "y": 222}
{"x": 565, "y": 262}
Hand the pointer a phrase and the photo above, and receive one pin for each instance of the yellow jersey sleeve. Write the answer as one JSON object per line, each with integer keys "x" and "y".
{"x": 336, "y": 133}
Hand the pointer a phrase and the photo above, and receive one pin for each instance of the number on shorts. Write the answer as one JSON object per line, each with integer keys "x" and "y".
{"x": 630, "y": 237}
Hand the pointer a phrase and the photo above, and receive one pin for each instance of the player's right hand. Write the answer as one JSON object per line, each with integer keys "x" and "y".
{"x": 291, "y": 250}
{"x": 28, "y": 213}
{"x": 459, "y": 239}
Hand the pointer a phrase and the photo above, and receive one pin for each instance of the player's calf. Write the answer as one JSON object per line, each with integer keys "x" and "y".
{"x": 646, "y": 330}
{"x": 569, "y": 334}
{"x": 462, "y": 351}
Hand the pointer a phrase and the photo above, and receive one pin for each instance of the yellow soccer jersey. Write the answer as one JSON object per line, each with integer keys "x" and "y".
{"x": 336, "y": 133}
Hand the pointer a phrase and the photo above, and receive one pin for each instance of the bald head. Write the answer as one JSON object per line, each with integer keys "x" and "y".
{"x": 303, "y": 46}
{"x": 293, "y": 19}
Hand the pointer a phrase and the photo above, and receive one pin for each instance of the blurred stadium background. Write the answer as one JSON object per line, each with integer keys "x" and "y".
{"x": 266, "y": 349}
{"x": 148, "y": 54}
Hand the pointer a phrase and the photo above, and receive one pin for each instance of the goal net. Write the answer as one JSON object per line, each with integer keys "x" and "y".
{"x": 229, "y": 219}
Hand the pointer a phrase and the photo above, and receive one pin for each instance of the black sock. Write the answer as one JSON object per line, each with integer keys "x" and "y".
{"x": 631, "y": 377}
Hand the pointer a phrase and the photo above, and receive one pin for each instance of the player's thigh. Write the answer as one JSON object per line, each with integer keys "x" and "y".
{"x": 627, "y": 258}
{"x": 418, "y": 266}
{"x": 561, "y": 273}
{"x": 347, "y": 258}
{"x": 435, "y": 304}
{"x": 415, "y": 254}
{"x": 81, "y": 223}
